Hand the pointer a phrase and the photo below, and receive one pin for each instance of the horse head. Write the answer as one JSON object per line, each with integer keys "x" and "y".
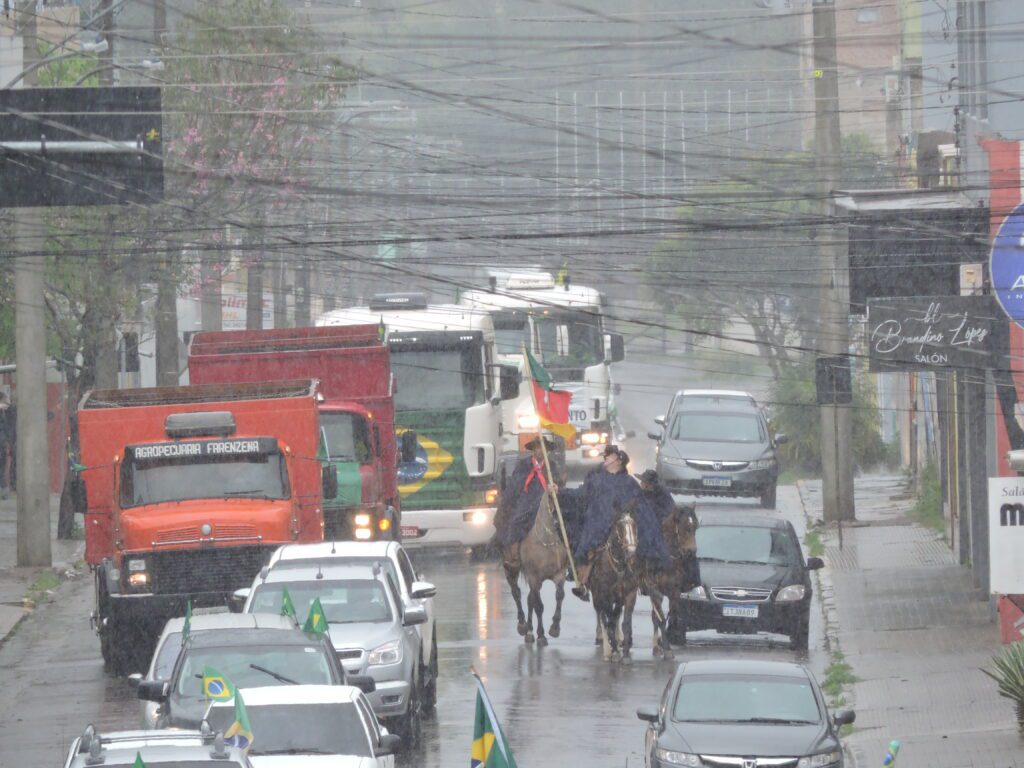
{"x": 625, "y": 533}
{"x": 680, "y": 529}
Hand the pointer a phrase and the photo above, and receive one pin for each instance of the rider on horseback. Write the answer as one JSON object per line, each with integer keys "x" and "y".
{"x": 605, "y": 496}
{"x": 521, "y": 499}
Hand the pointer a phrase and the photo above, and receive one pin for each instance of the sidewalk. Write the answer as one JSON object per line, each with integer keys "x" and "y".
{"x": 16, "y": 582}
{"x": 915, "y": 633}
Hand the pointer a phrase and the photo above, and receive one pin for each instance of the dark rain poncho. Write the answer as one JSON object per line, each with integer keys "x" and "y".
{"x": 605, "y": 495}
{"x": 519, "y": 501}
{"x": 661, "y": 502}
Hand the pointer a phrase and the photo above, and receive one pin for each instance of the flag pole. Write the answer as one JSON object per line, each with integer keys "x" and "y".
{"x": 547, "y": 469}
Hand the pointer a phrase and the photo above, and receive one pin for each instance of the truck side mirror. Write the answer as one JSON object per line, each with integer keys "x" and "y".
{"x": 236, "y": 603}
{"x": 330, "y": 480}
{"x": 410, "y": 442}
{"x": 616, "y": 348}
{"x": 509, "y": 377}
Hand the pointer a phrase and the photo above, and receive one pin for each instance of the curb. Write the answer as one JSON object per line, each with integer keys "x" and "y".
{"x": 823, "y": 579}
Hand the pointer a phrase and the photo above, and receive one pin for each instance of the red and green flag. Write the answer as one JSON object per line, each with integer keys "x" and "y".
{"x": 552, "y": 404}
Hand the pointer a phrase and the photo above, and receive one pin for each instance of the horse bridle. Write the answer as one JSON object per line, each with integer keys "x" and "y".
{"x": 625, "y": 527}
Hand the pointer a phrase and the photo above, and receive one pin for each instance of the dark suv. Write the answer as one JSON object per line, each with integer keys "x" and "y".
{"x": 753, "y": 578}
{"x": 717, "y": 447}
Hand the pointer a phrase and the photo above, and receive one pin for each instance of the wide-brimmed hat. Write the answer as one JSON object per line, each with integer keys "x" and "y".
{"x": 610, "y": 449}
{"x": 648, "y": 476}
{"x": 548, "y": 443}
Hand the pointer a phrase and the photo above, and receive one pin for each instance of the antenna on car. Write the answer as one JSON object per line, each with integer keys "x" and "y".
{"x": 333, "y": 542}
{"x": 376, "y": 568}
{"x": 319, "y": 572}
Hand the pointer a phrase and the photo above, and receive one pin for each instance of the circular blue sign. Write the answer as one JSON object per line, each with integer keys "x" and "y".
{"x": 1006, "y": 265}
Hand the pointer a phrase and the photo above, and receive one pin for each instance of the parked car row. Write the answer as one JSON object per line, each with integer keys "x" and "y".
{"x": 355, "y": 691}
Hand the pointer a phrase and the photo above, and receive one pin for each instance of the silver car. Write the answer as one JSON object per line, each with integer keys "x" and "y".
{"x": 372, "y": 630}
{"x": 158, "y": 749}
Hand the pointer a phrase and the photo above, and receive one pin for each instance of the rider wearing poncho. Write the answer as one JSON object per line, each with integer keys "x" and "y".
{"x": 608, "y": 494}
{"x": 521, "y": 500}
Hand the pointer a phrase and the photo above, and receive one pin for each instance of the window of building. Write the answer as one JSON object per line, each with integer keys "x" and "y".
{"x": 868, "y": 15}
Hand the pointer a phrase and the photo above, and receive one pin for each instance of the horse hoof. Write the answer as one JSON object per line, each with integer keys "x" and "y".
{"x": 627, "y": 660}
{"x": 670, "y": 654}
{"x": 523, "y": 627}
{"x": 657, "y": 652}
{"x": 542, "y": 641}
{"x": 529, "y": 637}
{"x": 616, "y": 657}
{"x": 555, "y": 631}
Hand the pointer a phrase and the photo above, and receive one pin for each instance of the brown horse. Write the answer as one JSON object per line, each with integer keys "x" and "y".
{"x": 613, "y": 583}
{"x": 680, "y": 530}
{"x": 542, "y": 557}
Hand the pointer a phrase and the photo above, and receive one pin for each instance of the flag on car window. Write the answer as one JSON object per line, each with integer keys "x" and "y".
{"x": 216, "y": 685}
{"x": 138, "y": 761}
{"x": 287, "y": 606}
{"x": 552, "y": 404}
{"x": 186, "y": 628}
{"x": 490, "y": 750}
{"x": 240, "y": 733}
{"x": 316, "y": 622}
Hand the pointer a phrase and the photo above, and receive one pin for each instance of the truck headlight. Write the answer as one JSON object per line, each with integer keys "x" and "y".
{"x": 821, "y": 760}
{"x": 791, "y": 594}
{"x": 679, "y": 758}
{"x": 362, "y": 520}
{"x": 594, "y": 438}
{"x": 389, "y": 653}
{"x": 138, "y": 579}
{"x": 528, "y": 421}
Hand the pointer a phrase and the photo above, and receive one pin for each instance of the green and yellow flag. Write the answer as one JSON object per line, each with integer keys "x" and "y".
{"x": 316, "y": 622}
{"x": 240, "y": 733}
{"x": 186, "y": 628}
{"x": 216, "y": 686}
{"x": 490, "y": 750}
{"x": 287, "y": 606}
{"x": 138, "y": 761}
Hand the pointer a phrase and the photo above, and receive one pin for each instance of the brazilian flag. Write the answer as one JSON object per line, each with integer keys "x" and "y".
{"x": 186, "y": 628}
{"x": 287, "y": 606}
{"x": 240, "y": 733}
{"x": 216, "y": 686}
{"x": 138, "y": 761}
{"x": 316, "y": 622}
{"x": 490, "y": 750}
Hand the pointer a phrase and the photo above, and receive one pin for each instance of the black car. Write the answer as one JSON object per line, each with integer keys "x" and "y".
{"x": 264, "y": 649}
{"x": 743, "y": 713}
{"x": 753, "y": 578}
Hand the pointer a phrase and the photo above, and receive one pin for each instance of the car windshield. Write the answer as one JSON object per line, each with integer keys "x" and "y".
{"x": 570, "y": 340}
{"x": 345, "y": 436}
{"x": 717, "y": 427}
{"x": 249, "y": 666}
{"x": 344, "y": 602}
{"x": 735, "y": 699}
{"x": 152, "y": 481}
{"x": 437, "y": 379}
{"x": 733, "y": 543}
{"x": 291, "y": 729}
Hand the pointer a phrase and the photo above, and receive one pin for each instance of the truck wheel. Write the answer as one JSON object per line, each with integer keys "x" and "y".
{"x": 411, "y": 723}
{"x": 429, "y": 677}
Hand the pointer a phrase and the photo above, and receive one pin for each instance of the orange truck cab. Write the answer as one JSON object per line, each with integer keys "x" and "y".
{"x": 188, "y": 491}
{"x": 357, "y": 411}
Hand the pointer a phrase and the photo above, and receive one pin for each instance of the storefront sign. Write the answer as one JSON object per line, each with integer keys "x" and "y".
{"x": 1006, "y": 534}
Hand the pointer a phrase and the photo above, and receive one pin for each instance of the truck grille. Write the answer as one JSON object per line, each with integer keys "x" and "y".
{"x": 221, "y": 569}
{"x": 741, "y": 594}
{"x": 192, "y": 535}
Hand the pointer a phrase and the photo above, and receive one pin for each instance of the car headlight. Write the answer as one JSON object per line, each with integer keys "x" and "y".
{"x": 697, "y": 593}
{"x": 389, "y": 653}
{"x": 791, "y": 593}
{"x": 679, "y": 758}
{"x": 528, "y": 421}
{"x": 672, "y": 460}
{"x": 821, "y": 760}
{"x": 763, "y": 464}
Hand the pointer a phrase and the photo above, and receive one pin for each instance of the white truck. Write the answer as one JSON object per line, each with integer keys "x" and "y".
{"x": 563, "y": 327}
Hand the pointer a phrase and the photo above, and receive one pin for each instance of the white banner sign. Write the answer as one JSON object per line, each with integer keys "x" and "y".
{"x": 1006, "y": 534}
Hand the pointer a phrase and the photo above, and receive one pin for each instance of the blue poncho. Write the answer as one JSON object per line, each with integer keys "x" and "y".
{"x": 520, "y": 501}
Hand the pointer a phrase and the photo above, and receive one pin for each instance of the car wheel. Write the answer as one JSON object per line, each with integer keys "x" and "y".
{"x": 429, "y": 675}
{"x": 768, "y": 497}
{"x": 410, "y": 725}
{"x": 798, "y": 637}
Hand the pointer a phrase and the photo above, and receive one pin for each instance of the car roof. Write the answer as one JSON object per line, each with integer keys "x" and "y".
{"x": 219, "y": 638}
{"x": 333, "y": 549}
{"x": 295, "y": 694}
{"x": 737, "y": 519}
{"x": 743, "y": 667}
{"x": 121, "y": 747}
{"x": 319, "y": 572}
{"x": 203, "y": 622}
{"x": 723, "y": 393}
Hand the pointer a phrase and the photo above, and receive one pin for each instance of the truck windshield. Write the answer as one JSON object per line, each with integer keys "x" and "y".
{"x": 346, "y": 437}
{"x": 152, "y": 481}
{"x": 511, "y": 332}
{"x": 296, "y": 729}
{"x": 570, "y": 340}
{"x": 438, "y": 379}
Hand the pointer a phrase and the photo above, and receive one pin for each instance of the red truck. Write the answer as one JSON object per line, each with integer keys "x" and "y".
{"x": 357, "y": 415}
{"x": 187, "y": 492}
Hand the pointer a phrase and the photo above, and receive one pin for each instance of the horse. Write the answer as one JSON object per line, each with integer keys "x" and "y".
{"x": 679, "y": 529}
{"x": 613, "y": 583}
{"x": 542, "y": 557}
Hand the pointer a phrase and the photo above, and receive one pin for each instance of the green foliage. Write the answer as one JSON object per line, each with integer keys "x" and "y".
{"x": 814, "y": 544}
{"x": 928, "y": 509}
{"x": 795, "y": 413}
{"x": 69, "y": 71}
{"x": 838, "y": 675}
{"x": 1009, "y": 674}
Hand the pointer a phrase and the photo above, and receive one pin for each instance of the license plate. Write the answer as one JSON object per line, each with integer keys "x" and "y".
{"x": 740, "y": 611}
{"x": 718, "y": 482}
{"x": 411, "y": 532}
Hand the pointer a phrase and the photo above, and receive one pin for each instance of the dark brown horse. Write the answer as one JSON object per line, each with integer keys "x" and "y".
{"x": 613, "y": 583}
{"x": 680, "y": 531}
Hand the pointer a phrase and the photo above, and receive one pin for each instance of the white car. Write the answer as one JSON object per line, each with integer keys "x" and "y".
{"x": 413, "y": 590}
{"x": 310, "y": 725}
{"x": 158, "y": 749}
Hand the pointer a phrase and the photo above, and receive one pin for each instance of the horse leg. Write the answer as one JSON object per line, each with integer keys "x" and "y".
{"x": 629, "y": 604}
{"x": 529, "y": 617}
{"x": 598, "y": 627}
{"x": 538, "y": 606}
{"x": 556, "y": 620}
{"x": 659, "y": 635}
{"x": 613, "y": 617}
{"x": 512, "y": 577}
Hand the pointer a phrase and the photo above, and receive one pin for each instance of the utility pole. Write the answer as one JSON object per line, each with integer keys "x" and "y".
{"x": 30, "y": 355}
{"x": 836, "y": 420}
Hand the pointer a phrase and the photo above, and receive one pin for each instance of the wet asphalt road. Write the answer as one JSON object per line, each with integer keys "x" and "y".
{"x": 556, "y": 704}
